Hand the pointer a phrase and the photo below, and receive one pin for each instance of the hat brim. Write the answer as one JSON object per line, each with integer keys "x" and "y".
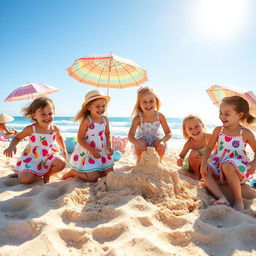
{"x": 106, "y": 98}
{"x": 5, "y": 118}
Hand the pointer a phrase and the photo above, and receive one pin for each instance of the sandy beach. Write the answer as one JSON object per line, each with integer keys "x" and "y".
{"x": 147, "y": 209}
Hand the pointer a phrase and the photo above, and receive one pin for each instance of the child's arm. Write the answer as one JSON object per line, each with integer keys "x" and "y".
{"x": 108, "y": 137}
{"x": 60, "y": 141}
{"x": 183, "y": 153}
{"x": 132, "y": 131}
{"x": 166, "y": 128}
{"x": 80, "y": 138}
{"x": 249, "y": 137}
{"x": 27, "y": 131}
{"x": 208, "y": 150}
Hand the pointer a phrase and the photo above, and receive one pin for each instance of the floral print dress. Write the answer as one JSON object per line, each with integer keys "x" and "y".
{"x": 82, "y": 160}
{"x": 39, "y": 154}
{"x": 149, "y": 131}
{"x": 231, "y": 149}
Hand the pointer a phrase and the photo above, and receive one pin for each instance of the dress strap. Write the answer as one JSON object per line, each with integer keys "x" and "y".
{"x": 222, "y": 128}
{"x": 140, "y": 115}
{"x": 157, "y": 115}
{"x": 89, "y": 118}
{"x": 34, "y": 127}
{"x": 241, "y": 131}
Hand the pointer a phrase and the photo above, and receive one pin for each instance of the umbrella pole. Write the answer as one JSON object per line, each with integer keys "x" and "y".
{"x": 109, "y": 71}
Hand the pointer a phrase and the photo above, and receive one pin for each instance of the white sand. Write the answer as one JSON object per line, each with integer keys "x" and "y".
{"x": 149, "y": 209}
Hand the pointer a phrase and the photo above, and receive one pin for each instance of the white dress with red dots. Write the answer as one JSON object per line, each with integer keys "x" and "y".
{"x": 231, "y": 149}
{"x": 39, "y": 154}
{"x": 82, "y": 160}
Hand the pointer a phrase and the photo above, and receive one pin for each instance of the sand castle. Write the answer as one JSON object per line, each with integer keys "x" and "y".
{"x": 147, "y": 210}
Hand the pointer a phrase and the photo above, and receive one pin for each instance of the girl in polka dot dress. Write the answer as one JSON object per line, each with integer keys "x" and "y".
{"x": 92, "y": 156}
{"x": 41, "y": 157}
{"x": 230, "y": 164}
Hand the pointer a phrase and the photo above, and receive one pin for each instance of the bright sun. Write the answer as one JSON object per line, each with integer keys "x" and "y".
{"x": 220, "y": 20}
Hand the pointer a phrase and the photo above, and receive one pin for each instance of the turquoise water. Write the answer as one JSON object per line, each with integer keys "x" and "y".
{"x": 119, "y": 126}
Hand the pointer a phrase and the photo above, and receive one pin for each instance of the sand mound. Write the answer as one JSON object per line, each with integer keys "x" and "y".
{"x": 145, "y": 210}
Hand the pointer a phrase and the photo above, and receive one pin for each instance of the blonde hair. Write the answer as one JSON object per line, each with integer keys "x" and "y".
{"x": 241, "y": 106}
{"x": 38, "y": 103}
{"x": 84, "y": 112}
{"x": 185, "y": 120}
{"x": 142, "y": 92}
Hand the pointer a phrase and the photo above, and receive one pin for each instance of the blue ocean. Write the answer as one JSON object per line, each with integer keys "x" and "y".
{"x": 119, "y": 126}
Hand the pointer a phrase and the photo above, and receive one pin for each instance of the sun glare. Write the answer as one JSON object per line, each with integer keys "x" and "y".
{"x": 221, "y": 20}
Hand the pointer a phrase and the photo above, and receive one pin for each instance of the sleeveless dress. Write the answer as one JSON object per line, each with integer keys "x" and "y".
{"x": 149, "y": 131}
{"x": 82, "y": 160}
{"x": 39, "y": 154}
{"x": 231, "y": 149}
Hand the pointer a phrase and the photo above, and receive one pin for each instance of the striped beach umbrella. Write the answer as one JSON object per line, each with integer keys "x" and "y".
{"x": 218, "y": 92}
{"x": 30, "y": 91}
{"x": 107, "y": 71}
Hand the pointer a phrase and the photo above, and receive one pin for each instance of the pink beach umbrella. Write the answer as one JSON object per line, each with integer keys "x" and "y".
{"x": 30, "y": 91}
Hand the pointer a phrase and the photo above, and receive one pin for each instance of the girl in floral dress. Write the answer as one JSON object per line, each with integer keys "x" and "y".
{"x": 230, "y": 163}
{"x": 92, "y": 156}
{"x": 147, "y": 122}
{"x": 41, "y": 157}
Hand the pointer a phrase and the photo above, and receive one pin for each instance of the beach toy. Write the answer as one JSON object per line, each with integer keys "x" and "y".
{"x": 70, "y": 144}
{"x": 119, "y": 143}
{"x": 117, "y": 155}
{"x": 253, "y": 183}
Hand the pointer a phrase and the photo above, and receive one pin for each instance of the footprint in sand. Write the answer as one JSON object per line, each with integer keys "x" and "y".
{"x": 56, "y": 192}
{"x": 9, "y": 182}
{"x": 221, "y": 217}
{"x": 18, "y": 207}
{"x": 19, "y": 232}
{"x": 74, "y": 238}
{"x": 107, "y": 234}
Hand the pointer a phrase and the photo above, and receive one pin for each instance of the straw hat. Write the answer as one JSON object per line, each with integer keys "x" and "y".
{"x": 93, "y": 95}
{"x": 4, "y": 118}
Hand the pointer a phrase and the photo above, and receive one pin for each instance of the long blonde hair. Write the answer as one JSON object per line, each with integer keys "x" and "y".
{"x": 185, "y": 120}
{"x": 142, "y": 92}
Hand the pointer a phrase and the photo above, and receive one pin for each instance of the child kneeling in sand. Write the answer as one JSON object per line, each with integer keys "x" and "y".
{"x": 92, "y": 156}
{"x": 230, "y": 163}
{"x": 196, "y": 143}
{"x": 40, "y": 157}
{"x": 148, "y": 120}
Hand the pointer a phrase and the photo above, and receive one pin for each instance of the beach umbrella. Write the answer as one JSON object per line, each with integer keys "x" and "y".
{"x": 30, "y": 91}
{"x": 4, "y": 118}
{"x": 218, "y": 92}
{"x": 107, "y": 71}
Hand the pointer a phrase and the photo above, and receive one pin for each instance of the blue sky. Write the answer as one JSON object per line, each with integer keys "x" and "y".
{"x": 185, "y": 45}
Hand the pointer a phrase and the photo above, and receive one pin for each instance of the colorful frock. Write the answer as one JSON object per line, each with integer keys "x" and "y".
{"x": 231, "y": 149}
{"x": 39, "y": 154}
{"x": 82, "y": 160}
{"x": 149, "y": 131}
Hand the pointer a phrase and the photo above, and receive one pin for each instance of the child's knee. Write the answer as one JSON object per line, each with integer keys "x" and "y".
{"x": 26, "y": 178}
{"x": 93, "y": 176}
{"x": 60, "y": 163}
{"x": 160, "y": 149}
{"x": 194, "y": 154}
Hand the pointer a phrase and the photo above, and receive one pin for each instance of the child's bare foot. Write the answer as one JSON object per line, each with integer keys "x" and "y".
{"x": 46, "y": 178}
{"x": 13, "y": 175}
{"x": 68, "y": 174}
{"x": 222, "y": 200}
{"x": 239, "y": 205}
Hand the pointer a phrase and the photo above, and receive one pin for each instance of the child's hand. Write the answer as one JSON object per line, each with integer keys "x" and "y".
{"x": 65, "y": 154}
{"x": 110, "y": 150}
{"x": 252, "y": 169}
{"x": 10, "y": 151}
{"x": 95, "y": 152}
{"x": 179, "y": 162}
